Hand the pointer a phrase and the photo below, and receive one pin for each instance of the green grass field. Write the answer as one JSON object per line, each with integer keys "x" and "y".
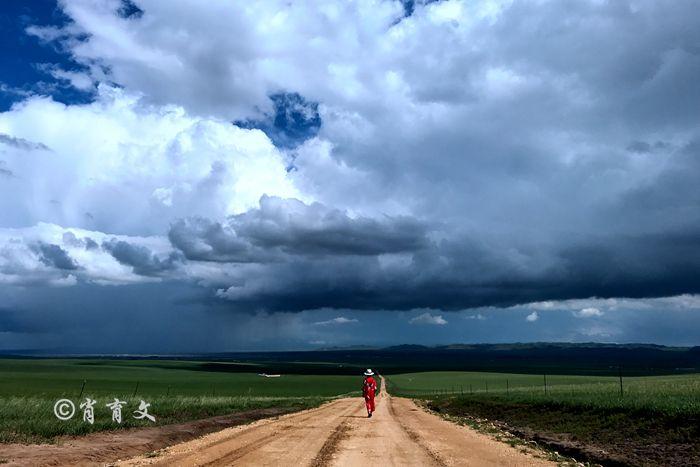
{"x": 676, "y": 394}
{"x": 64, "y": 377}
{"x": 653, "y": 422}
{"x": 176, "y": 390}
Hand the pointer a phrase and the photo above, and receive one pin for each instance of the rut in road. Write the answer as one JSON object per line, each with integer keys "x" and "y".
{"x": 340, "y": 434}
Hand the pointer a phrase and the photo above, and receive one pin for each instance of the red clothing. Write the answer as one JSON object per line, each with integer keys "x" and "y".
{"x": 369, "y": 387}
{"x": 369, "y": 403}
{"x": 369, "y": 390}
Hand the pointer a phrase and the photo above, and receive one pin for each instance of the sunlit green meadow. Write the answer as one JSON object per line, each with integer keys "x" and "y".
{"x": 673, "y": 394}
{"x": 177, "y": 391}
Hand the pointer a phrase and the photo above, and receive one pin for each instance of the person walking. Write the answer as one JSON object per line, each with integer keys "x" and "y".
{"x": 369, "y": 390}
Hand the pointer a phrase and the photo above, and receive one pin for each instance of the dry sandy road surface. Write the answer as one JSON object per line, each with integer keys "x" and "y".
{"x": 340, "y": 434}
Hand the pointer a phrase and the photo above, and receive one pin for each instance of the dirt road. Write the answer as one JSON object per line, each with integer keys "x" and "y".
{"x": 340, "y": 434}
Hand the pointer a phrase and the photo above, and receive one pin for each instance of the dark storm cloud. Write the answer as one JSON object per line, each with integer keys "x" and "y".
{"x": 21, "y": 143}
{"x": 283, "y": 227}
{"x": 320, "y": 289}
{"x": 143, "y": 261}
{"x": 455, "y": 275}
{"x": 315, "y": 229}
{"x": 666, "y": 205}
{"x": 640, "y": 242}
{"x": 202, "y": 239}
{"x": 653, "y": 265}
{"x": 55, "y": 256}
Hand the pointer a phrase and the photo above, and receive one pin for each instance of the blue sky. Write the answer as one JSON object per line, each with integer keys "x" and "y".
{"x": 375, "y": 172}
{"x": 23, "y": 60}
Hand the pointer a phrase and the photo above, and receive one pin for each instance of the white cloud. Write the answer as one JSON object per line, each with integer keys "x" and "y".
{"x": 589, "y": 312}
{"x": 118, "y": 165}
{"x": 249, "y": 50}
{"x": 334, "y": 321}
{"x": 546, "y": 305}
{"x": 79, "y": 80}
{"x": 23, "y": 263}
{"x": 682, "y": 302}
{"x": 532, "y": 317}
{"x": 590, "y": 307}
{"x": 477, "y": 316}
{"x": 427, "y": 318}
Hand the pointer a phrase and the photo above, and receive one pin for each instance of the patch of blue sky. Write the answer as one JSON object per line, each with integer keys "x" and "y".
{"x": 26, "y": 63}
{"x": 293, "y": 120}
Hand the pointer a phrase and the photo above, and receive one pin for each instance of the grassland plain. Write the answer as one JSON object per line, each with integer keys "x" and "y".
{"x": 177, "y": 391}
{"x": 654, "y": 421}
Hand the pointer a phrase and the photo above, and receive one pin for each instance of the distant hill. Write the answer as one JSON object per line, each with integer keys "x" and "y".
{"x": 540, "y": 357}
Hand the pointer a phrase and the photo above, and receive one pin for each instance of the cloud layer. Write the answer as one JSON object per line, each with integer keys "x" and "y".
{"x": 361, "y": 156}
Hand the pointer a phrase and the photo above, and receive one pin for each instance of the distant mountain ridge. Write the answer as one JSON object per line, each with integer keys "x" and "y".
{"x": 533, "y": 345}
{"x": 538, "y": 357}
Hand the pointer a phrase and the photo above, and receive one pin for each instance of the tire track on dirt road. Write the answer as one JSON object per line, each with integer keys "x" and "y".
{"x": 384, "y": 440}
{"x": 243, "y": 450}
{"x": 236, "y": 456}
{"x": 330, "y": 447}
{"x": 296, "y": 439}
{"x": 412, "y": 434}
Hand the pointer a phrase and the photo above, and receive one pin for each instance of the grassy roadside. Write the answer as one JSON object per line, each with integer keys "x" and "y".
{"x": 655, "y": 421}
{"x": 673, "y": 394}
{"x": 31, "y": 419}
{"x": 178, "y": 391}
{"x": 607, "y": 435}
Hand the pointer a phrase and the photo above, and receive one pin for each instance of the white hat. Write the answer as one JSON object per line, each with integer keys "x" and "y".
{"x": 369, "y": 372}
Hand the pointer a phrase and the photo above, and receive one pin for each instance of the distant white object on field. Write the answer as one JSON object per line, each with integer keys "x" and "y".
{"x": 268, "y": 376}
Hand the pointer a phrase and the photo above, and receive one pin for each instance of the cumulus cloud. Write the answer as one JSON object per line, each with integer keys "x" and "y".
{"x": 79, "y": 80}
{"x": 532, "y": 317}
{"x": 589, "y": 312}
{"x": 48, "y": 254}
{"x": 133, "y": 167}
{"x": 428, "y": 318}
